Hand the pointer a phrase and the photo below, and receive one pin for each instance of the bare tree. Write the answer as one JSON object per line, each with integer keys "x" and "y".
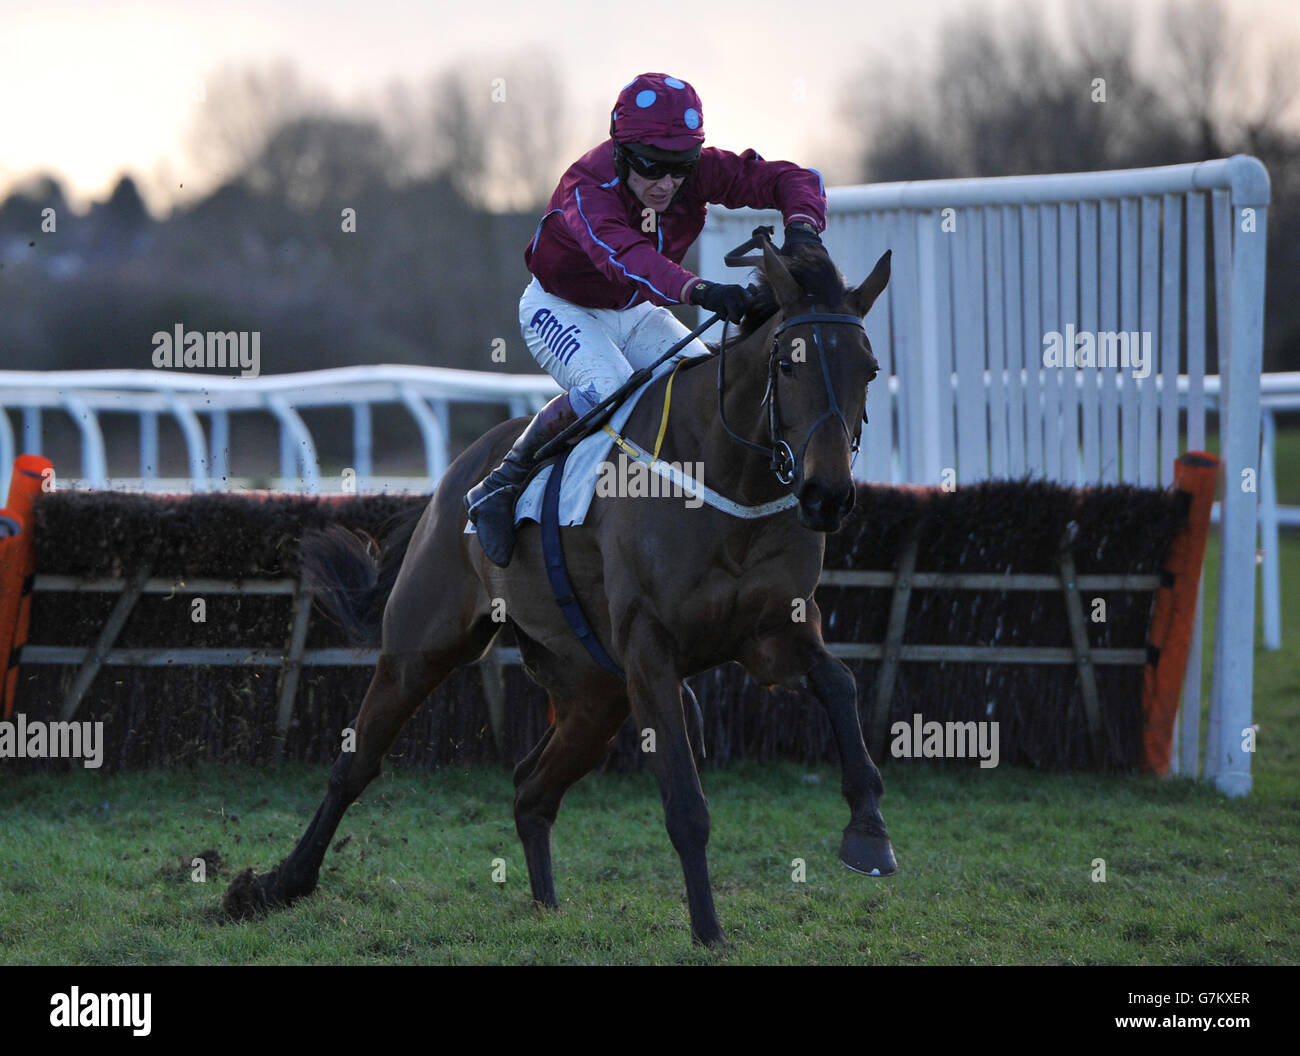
{"x": 531, "y": 132}
{"x": 499, "y": 129}
{"x": 401, "y": 112}
{"x": 1225, "y": 98}
{"x": 311, "y": 159}
{"x": 1006, "y": 98}
{"x": 1203, "y": 49}
{"x": 460, "y": 131}
{"x": 1006, "y": 101}
{"x": 241, "y": 108}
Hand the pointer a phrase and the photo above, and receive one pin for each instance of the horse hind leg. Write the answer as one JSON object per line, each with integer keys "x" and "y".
{"x": 402, "y": 681}
{"x": 656, "y": 697}
{"x": 568, "y": 750}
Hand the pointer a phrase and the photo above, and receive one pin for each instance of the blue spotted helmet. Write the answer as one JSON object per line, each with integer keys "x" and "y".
{"x": 658, "y": 118}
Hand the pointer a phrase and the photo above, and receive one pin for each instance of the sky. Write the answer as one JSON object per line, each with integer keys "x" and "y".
{"x": 93, "y": 89}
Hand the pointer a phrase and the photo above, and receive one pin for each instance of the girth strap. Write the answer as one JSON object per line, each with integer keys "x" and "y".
{"x": 558, "y": 573}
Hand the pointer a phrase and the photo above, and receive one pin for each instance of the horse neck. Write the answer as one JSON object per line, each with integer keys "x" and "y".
{"x": 731, "y": 468}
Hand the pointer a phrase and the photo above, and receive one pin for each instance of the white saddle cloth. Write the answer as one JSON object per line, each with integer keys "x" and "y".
{"x": 582, "y": 470}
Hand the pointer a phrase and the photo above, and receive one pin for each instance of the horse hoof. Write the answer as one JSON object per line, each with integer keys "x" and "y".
{"x": 714, "y": 940}
{"x": 871, "y": 855}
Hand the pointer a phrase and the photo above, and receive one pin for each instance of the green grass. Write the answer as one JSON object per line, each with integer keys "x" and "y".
{"x": 995, "y": 868}
{"x": 995, "y": 865}
{"x": 1286, "y": 457}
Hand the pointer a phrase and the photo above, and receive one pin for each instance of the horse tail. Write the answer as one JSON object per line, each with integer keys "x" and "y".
{"x": 351, "y": 573}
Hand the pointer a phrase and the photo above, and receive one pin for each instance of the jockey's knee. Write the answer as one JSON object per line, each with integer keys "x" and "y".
{"x": 583, "y": 398}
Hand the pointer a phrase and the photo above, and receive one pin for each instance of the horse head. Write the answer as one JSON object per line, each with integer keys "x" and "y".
{"x": 819, "y": 367}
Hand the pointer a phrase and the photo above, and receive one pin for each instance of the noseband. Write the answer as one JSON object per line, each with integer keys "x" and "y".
{"x": 783, "y": 461}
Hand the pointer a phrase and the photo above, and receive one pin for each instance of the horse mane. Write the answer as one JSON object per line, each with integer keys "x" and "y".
{"x": 812, "y": 268}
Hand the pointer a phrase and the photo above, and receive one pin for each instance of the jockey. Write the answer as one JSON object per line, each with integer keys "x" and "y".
{"x": 606, "y": 263}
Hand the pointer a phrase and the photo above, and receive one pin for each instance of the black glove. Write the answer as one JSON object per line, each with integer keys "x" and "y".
{"x": 731, "y": 302}
{"x": 799, "y": 233}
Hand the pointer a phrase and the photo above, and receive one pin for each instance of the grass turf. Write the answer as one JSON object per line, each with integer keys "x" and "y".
{"x": 996, "y": 866}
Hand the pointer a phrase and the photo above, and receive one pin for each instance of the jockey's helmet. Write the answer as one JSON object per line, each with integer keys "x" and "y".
{"x": 657, "y": 125}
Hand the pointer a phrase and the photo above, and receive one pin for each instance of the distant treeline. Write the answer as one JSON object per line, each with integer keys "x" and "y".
{"x": 424, "y": 278}
{"x": 445, "y": 189}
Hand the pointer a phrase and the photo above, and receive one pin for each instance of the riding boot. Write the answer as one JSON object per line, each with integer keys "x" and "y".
{"x": 491, "y": 503}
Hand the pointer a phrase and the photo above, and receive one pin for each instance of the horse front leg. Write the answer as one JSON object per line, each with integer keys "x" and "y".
{"x": 865, "y": 847}
{"x": 655, "y": 695}
{"x": 795, "y": 655}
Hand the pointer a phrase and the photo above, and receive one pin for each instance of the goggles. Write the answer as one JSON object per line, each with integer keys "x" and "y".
{"x": 657, "y": 170}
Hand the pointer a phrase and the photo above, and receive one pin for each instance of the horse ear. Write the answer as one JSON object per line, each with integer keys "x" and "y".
{"x": 788, "y": 292}
{"x": 861, "y": 299}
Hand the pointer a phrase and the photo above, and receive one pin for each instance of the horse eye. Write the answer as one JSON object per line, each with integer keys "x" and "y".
{"x": 787, "y": 367}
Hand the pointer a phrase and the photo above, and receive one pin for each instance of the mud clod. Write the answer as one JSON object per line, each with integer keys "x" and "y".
{"x": 245, "y": 897}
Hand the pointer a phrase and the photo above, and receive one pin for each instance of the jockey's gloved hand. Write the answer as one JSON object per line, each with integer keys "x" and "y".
{"x": 729, "y": 301}
{"x": 800, "y": 233}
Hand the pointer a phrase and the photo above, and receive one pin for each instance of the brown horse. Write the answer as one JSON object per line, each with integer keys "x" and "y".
{"x": 670, "y": 590}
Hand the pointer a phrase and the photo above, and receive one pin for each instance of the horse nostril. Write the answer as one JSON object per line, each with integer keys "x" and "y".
{"x": 850, "y": 500}
{"x": 811, "y": 497}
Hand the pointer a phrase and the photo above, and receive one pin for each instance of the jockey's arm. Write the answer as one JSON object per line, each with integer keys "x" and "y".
{"x": 739, "y": 180}
{"x": 597, "y": 219}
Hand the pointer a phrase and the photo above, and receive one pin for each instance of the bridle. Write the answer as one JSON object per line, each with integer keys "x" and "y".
{"x": 783, "y": 461}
